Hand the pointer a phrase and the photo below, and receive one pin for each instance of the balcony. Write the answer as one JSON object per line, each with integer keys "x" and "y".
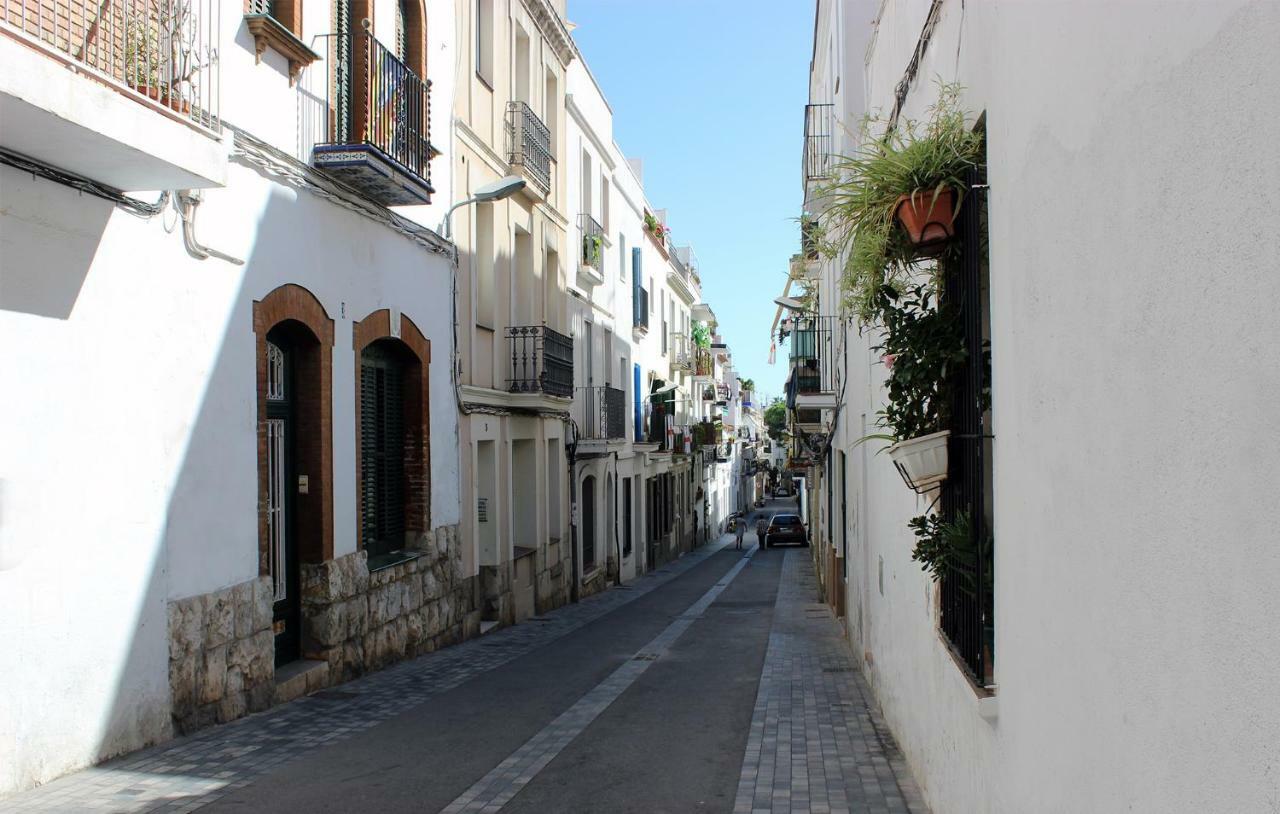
{"x": 679, "y": 276}
{"x": 602, "y": 414}
{"x": 702, "y": 362}
{"x": 681, "y": 351}
{"x": 529, "y": 146}
{"x": 813, "y": 362}
{"x": 373, "y": 124}
{"x": 591, "y": 257}
{"x": 818, "y": 160}
{"x": 124, "y": 94}
{"x": 541, "y": 361}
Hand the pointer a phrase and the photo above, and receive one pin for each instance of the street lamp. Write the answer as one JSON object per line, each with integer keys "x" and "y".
{"x": 791, "y": 304}
{"x": 495, "y": 191}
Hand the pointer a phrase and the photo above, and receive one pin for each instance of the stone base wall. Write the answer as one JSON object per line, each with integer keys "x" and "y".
{"x": 551, "y": 583}
{"x": 221, "y": 655}
{"x": 358, "y": 621}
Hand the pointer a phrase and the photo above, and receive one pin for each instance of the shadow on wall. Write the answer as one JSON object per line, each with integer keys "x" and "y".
{"x": 45, "y": 258}
{"x": 210, "y": 531}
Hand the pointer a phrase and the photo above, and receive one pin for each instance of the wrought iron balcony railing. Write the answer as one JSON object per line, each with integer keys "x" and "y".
{"x": 811, "y": 352}
{"x": 529, "y": 143}
{"x": 702, "y": 363}
{"x": 164, "y": 51}
{"x": 818, "y": 144}
{"x": 374, "y": 132}
{"x": 604, "y": 413}
{"x": 592, "y": 241}
{"x": 541, "y": 361}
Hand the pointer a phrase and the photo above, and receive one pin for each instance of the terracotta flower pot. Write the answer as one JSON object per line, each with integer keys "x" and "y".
{"x": 929, "y": 220}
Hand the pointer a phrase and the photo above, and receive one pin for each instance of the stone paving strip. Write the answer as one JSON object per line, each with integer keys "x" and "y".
{"x": 817, "y": 743}
{"x": 187, "y": 773}
{"x": 495, "y": 789}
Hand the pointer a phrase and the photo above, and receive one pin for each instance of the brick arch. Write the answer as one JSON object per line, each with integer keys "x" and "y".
{"x": 296, "y": 306}
{"x": 378, "y": 326}
{"x": 415, "y": 36}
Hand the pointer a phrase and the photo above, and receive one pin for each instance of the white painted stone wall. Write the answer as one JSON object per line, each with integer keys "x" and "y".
{"x": 129, "y": 477}
{"x": 1134, "y": 372}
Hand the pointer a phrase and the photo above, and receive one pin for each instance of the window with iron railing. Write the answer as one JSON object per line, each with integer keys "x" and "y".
{"x": 811, "y": 353}
{"x": 592, "y": 242}
{"x": 603, "y": 412}
{"x": 818, "y": 145}
{"x": 529, "y": 143}
{"x": 541, "y": 361}
{"x": 968, "y": 587}
{"x": 373, "y": 98}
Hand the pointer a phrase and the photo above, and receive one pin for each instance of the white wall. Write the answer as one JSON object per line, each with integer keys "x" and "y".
{"x": 130, "y": 474}
{"x": 1134, "y": 367}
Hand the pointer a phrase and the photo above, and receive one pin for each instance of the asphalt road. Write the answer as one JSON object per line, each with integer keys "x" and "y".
{"x": 672, "y": 739}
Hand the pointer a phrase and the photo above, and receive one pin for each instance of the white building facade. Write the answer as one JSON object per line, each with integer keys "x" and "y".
{"x": 1126, "y": 654}
{"x": 244, "y": 357}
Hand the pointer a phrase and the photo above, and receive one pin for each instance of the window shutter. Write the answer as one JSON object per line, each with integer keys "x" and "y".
{"x": 382, "y": 439}
{"x": 635, "y": 286}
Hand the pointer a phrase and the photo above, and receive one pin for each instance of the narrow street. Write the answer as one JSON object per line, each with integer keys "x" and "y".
{"x": 717, "y": 683}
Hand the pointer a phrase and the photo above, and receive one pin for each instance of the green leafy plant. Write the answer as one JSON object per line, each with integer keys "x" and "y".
{"x": 701, "y": 335}
{"x": 748, "y": 385}
{"x": 923, "y": 344}
{"x": 945, "y": 547}
{"x": 775, "y": 420}
{"x": 592, "y": 250}
{"x": 859, "y": 222}
{"x": 655, "y": 227}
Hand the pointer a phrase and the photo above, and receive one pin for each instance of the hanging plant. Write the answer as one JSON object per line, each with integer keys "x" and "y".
{"x": 913, "y": 173}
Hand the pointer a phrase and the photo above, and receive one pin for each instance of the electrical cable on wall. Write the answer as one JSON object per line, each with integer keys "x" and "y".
{"x": 133, "y": 206}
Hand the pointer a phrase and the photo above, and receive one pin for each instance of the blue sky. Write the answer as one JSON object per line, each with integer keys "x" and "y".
{"x": 711, "y": 94}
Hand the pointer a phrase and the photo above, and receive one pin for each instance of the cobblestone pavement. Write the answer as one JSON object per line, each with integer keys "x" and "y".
{"x": 187, "y": 773}
{"x": 817, "y": 742}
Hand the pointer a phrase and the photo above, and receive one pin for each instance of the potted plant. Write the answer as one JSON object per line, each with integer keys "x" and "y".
{"x": 893, "y": 202}
{"x": 161, "y": 54}
{"x": 924, "y": 343}
{"x": 655, "y": 227}
{"x": 592, "y": 250}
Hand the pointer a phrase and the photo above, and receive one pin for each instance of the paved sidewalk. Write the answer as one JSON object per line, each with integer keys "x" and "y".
{"x": 817, "y": 742}
{"x": 187, "y": 773}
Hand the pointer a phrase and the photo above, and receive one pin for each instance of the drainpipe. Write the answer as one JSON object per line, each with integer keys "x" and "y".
{"x": 186, "y": 202}
{"x": 572, "y": 449}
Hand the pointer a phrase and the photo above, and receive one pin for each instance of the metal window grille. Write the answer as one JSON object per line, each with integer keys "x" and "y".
{"x": 967, "y": 591}
{"x": 604, "y": 412}
{"x": 541, "y": 361}
{"x": 382, "y": 451}
{"x": 275, "y": 373}
{"x": 275, "y": 507}
{"x": 817, "y": 142}
{"x": 529, "y": 143}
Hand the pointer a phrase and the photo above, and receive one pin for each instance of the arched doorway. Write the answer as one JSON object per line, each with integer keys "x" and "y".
{"x": 588, "y": 523}
{"x": 295, "y": 470}
{"x": 290, "y": 424}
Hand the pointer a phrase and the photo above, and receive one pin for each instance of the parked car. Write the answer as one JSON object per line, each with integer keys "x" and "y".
{"x": 786, "y": 528}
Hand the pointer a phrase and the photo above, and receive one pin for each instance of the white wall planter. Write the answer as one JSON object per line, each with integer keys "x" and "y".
{"x": 922, "y": 461}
